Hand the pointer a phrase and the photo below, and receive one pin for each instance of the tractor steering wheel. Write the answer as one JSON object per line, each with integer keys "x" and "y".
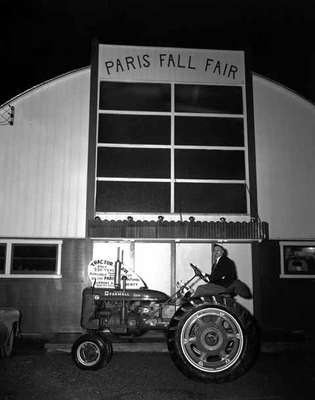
{"x": 198, "y": 272}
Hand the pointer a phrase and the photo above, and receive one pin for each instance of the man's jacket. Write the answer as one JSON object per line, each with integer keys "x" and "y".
{"x": 223, "y": 272}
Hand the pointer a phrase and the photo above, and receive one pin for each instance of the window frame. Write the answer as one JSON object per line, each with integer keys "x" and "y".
{"x": 173, "y": 147}
{"x": 8, "y": 259}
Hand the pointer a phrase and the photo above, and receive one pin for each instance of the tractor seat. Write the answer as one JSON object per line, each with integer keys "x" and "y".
{"x": 239, "y": 288}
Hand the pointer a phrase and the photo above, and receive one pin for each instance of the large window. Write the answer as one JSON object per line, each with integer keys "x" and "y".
{"x": 165, "y": 148}
{"x": 24, "y": 258}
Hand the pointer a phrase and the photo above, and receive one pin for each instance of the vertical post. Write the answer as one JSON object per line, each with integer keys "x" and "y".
{"x": 124, "y": 309}
{"x": 117, "y": 270}
{"x": 251, "y": 139}
{"x": 173, "y": 267}
{"x": 132, "y": 255}
{"x": 91, "y": 185}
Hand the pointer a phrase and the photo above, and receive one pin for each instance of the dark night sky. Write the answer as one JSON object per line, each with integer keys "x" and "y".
{"x": 41, "y": 39}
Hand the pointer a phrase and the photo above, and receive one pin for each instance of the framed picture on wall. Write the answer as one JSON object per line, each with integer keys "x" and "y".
{"x": 297, "y": 259}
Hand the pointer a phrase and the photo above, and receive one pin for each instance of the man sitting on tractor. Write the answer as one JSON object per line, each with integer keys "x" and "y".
{"x": 223, "y": 277}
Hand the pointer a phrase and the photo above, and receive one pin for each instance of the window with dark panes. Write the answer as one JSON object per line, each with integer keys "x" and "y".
{"x": 135, "y": 96}
{"x": 134, "y": 129}
{"x": 133, "y": 196}
{"x": 208, "y": 99}
{"x": 134, "y": 146}
{"x": 209, "y": 149}
{"x": 166, "y": 147}
{"x": 34, "y": 259}
{"x": 2, "y": 257}
{"x": 210, "y": 198}
{"x": 133, "y": 163}
{"x": 209, "y": 164}
{"x": 207, "y": 131}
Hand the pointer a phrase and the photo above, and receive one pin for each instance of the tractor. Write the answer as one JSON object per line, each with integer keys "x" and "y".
{"x": 212, "y": 338}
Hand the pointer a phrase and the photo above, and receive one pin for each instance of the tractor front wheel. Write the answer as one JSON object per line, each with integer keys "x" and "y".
{"x": 91, "y": 351}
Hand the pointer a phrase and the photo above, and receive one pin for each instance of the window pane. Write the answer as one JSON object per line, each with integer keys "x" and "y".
{"x": 133, "y": 197}
{"x": 34, "y": 259}
{"x": 210, "y": 198}
{"x": 202, "y": 131}
{"x": 134, "y": 129}
{"x": 135, "y": 96}
{"x": 2, "y": 257}
{"x": 209, "y": 164}
{"x": 208, "y": 99}
{"x": 133, "y": 163}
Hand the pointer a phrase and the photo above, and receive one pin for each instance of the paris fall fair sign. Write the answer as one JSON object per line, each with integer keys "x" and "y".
{"x": 126, "y": 63}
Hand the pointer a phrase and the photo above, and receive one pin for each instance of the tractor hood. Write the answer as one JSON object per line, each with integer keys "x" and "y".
{"x": 127, "y": 294}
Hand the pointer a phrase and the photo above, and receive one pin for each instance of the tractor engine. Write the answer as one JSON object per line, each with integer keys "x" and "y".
{"x": 124, "y": 311}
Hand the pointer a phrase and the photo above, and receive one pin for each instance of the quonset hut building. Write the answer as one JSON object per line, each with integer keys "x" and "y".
{"x": 159, "y": 152}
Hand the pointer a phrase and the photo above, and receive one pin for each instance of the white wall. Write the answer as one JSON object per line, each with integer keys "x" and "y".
{"x": 285, "y": 154}
{"x": 152, "y": 261}
{"x": 153, "y": 265}
{"x": 43, "y": 160}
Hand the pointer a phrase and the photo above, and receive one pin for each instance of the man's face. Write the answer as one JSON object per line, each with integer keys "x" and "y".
{"x": 217, "y": 252}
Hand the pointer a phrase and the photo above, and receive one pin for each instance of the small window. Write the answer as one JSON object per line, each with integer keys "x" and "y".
{"x": 34, "y": 259}
{"x": 210, "y": 198}
{"x": 208, "y": 99}
{"x": 134, "y": 129}
{"x": 205, "y": 131}
{"x": 135, "y": 96}
{"x": 297, "y": 259}
{"x": 133, "y": 163}
{"x": 3, "y": 247}
{"x": 133, "y": 197}
{"x": 210, "y": 164}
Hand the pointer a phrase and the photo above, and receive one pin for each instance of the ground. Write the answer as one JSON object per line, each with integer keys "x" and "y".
{"x": 33, "y": 373}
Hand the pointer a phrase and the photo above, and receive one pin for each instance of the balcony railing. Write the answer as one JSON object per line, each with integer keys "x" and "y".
{"x": 217, "y": 230}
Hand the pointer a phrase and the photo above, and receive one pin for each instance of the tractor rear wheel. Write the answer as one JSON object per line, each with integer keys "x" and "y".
{"x": 91, "y": 351}
{"x": 213, "y": 339}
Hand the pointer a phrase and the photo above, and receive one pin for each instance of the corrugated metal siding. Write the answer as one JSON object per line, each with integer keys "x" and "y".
{"x": 43, "y": 160}
{"x": 285, "y": 148}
